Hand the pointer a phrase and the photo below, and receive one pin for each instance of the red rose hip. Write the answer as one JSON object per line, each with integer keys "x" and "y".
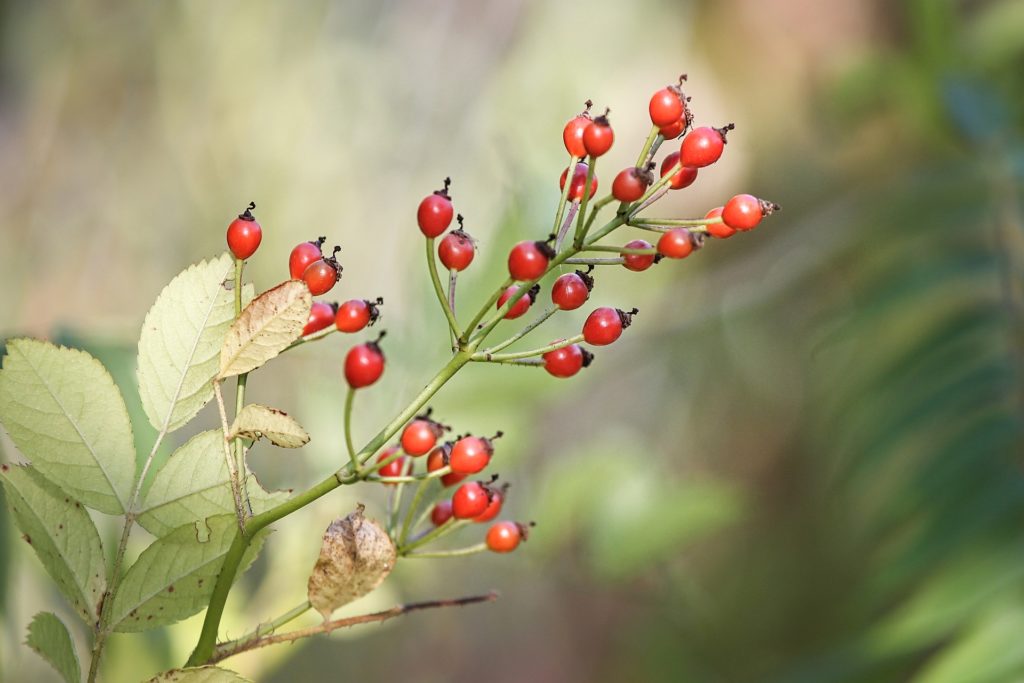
{"x": 364, "y": 364}
{"x": 321, "y": 316}
{"x": 244, "y": 234}
{"x": 566, "y": 361}
{"x": 304, "y": 254}
{"x": 604, "y": 325}
{"x": 356, "y": 314}
{"x": 572, "y": 290}
{"x": 435, "y": 212}
{"x": 638, "y": 262}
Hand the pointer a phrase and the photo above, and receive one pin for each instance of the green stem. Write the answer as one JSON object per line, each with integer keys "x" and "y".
{"x": 347, "y": 475}
{"x": 417, "y": 497}
{"x": 449, "y": 526}
{"x": 675, "y": 222}
{"x": 523, "y": 332}
{"x": 407, "y": 478}
{"x": 560, "y": 211}
{"x": 620, "y": 250}
{"x": 316, "y": 336}
{"x": 263, "y": 629}
{"x": 641, "y": 160}
{"x": 483, "y": 356}
{"x": 350, "y": 398}
{"x": 435, "y": 279}
{"x": 580, "y": 226}
{"x": 483, "y": 310}
{"x": 595, "y": 261}
{"x": 459, "y": 552}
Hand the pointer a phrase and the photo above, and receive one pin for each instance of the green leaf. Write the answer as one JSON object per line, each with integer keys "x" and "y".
{"x": 266, "y": 327}
{"x": 49, "y": 637}
{"x": 174, "y": 577}
{"x": 256, "y": 420}
{"x": 194, "y": 484}
{"x": 180, "y": 341}
{"x": 202, "y": 674}
{"x": 62, "y": 534}
{"x": 64, "y": 413}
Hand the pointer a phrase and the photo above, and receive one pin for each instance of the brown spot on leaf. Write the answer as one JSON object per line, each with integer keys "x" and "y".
{"x": 170, "y": 589}
{"x": 28, "y": 539}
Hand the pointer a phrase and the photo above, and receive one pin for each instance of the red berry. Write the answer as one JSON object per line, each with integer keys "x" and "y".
{"x": 504, "y": 537}
{"x": 355, "y": 314}
{"x": 718, "y": 228}
{"x": 395, "y": 468}
{"x": 572, "y": 290}
{"x": 744, "y": 211}
{"x": 364, "y": 364}
{"x": 638, "y": 262}
{"x": 494, "y": 507}
{"x": 470, "y": 500}
{"x": 684, "y": 177}
{"x": 604, "y": 325}
{"x": 579, "y": 181}
{"x": 244, "y": 234}
{"x": 435, "y": 212}
{"x": 302, "y": 255}
{"x": 566, "y": 361}
{"x": 420, "y": 435}
{"x": 630, "y": 184}
{"x": 471, "y": 454}
{"x": 522, "y": 305}
{"x": 441, "y": 513}
{"x": 598, "y": 136}
{"x": 666, "y": 107}
{"x": 677, "y": 243}
{"x": 438, "y": 459}
{"x": 572, "y": 135}
{"x": 529, "y": 260}
{"x": 456, "y": 250}
{"x": 703, "y": 146}
{"x": 321, "y": 275}
{"x": 673, "y": 130}
{"x": 321, "y": 316}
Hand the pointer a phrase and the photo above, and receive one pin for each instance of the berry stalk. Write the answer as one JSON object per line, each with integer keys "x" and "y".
{"x": 435, "y": 279}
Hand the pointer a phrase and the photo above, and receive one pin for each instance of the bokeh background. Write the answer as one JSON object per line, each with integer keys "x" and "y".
{"x": 803, "y": 463}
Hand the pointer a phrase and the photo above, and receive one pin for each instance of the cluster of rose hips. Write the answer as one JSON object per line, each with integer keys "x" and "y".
{"x": 586, "y": 139}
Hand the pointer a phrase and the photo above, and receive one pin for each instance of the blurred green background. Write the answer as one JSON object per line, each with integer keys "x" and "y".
{"x": 802, "y": 463}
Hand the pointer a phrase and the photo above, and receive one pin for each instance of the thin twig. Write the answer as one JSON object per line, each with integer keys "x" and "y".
{"x": 236, "y": 491}
{"x": 222, "y": 652}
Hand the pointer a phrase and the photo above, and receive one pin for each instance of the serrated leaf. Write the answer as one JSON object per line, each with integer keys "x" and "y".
{"x": 202, "y": 674}
{"x": 181, "y": 339}
{"x": 194, "y": 484}
{"x": 65, "y": 414}
{"x": 49, "y": 637}
{"x": 174, "y": 577}
{"x": 256, "y": 420}
{"x": 266, "y": 327}
{"x": 62, "y": 534}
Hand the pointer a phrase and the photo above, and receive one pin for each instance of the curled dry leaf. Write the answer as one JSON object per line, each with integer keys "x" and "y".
{"x": 257, "y": 420}
{"x": 266, "y": 327}
{"x": 356, "y": 556}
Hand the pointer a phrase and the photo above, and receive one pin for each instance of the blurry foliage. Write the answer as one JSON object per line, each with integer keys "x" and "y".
{"x": 802, "y": 464}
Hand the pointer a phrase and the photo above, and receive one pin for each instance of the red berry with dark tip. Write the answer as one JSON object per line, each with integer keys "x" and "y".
{"x": 395, "y": 468}
{"x": 304, "y": 254}
{"x": 456, "y": 250}
{"x": 673, "y": 130}
{"x": 666, "y": 107}
{"x": 579, "y": 182}
{"x": 420, "y": 435}
{"x": 321, "y": 275}
{"x": 470, "y": 455}
{"x": 529, "y": 260}
{"x": 244, "y": 234}
{"x": 703, "y": 146}
{"x": 572, "y": 134}
{"x": 356, "y": 314}
{"x": 441, "y": 513}
{"x": 744, "y": 212}
{"x": 321, "y": 316}
{"x": 364, "y": 364}
{"x": 437, "y": 460}
{"x": 604, "y": 325}
{"x": 470, "y": 500}
{"x": 684, "y": 177}
{"x": 598, "y": 136}
{"x": 638, "y": 262}
{"x": 571, "y": 290}
{"x": 522, "y": 304}
{"x": 630, "y": 184}
{"x": 494, "y": 507}
{"x": 718, "y": 228}
{"x": 676, "y": 243}
{"x": 435, "y": 212}
{"x": 566, "y": 361}
{"x": 504, "y": 537}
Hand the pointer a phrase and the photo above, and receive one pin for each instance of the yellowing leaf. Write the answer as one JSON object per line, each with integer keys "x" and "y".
{"x": 255, "y": 421}
{"x": 194, "y": 484}
{"x": 49, "y": 637}
{"x": 356, "y": 556}
{"x": 65, "y": 414}
{"x": 181, "y": 339}
{"x": 266, "y": 327}
{"x": 174, "y": 577}
{"x": 61, "y": 532}
{"x": 202, "y": 674}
